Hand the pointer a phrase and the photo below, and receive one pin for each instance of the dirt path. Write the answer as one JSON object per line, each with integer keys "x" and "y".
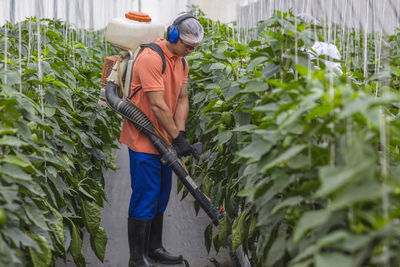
{"x": 183, "y": 230}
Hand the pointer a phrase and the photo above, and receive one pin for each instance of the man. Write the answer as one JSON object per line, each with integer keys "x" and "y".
{"x": 160, "y": 91}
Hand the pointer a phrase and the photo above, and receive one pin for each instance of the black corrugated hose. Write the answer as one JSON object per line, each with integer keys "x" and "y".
{"x": 131, "y": 112}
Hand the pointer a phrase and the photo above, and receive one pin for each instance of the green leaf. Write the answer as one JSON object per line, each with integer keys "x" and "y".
{"x": 333, "y": 238}
{"x": 309, "y": 220}
{"x": 18, "y": 237}
{"x": 85, "y": 140}
{"x": 224, "y": 137}
{"x": 299, "y": 161}
{"x": 267, "y": 107}
{"x": 277, "y": 250}
{"x": 8, "y": 130}
{"x": 239, "y": 231}
{"x": 16, "y": 160}
{"x": 302, "y": 70}
{"x": 380, "y": 75}
{"x": 255, "y": 150}
{"x": 355, "y": 193}
{"x": 255, "y": 62}
{"x": 244, "y": 128}
{"x": 254, "y": 43}
{"x": 249, "y": 190}
{"x": 12, "y": 141}
{"x": 76, "y": 247}
{"x": 291, "y": 201}
{"x": 49, "y": 111}
{"x": 36, "y": 215}
{"x": 224, "y": 230}
{"x": 211, "y": 86}
{"x": 7, "y": 254}
{"x": 208, "y": 236}
{"x": 332, "y": 178}
{"x": 270, "y": 70}
{"x": 333, "y": 260}
{"x": 13, "y": 77}
{"x": 217, "y": 66}
{"x": 60, "y": 84}
{"x": 86, "y": 193}
{"x": 356, "y": 242}
{"x": 43, "y": 257}
{"x": 288, "y": 154}
{"x": 199, "y": 97}
{"x": 14, "y": 172}
{"x": 98, "y": 243}
{"x": 319, "y": 111}
{"x": 256, "y": 86}
{"x": 363, "y": 104}
{"x": 58, "y": 162}
{"x": 91, "y": 215}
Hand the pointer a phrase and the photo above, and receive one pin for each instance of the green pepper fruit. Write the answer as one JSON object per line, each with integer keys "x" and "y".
{"x": 227, "y": 118}
{"x": 3, "y": 217}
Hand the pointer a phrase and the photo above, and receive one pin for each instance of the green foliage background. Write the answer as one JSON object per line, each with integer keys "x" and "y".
{"x": 51, "y": 181}
{"x": 305, "y": 162}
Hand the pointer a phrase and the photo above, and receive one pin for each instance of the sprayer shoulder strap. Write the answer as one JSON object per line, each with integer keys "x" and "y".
{"x": 155, "y": 47}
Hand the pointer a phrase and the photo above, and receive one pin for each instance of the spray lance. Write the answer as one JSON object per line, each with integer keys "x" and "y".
{"x": 114, "y": 96}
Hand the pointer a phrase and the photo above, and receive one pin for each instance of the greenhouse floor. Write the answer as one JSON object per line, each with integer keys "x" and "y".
{"x": 183, "y": 230}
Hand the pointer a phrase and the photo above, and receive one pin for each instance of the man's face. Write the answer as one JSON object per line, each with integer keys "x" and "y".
{"x": 184, "y": 48}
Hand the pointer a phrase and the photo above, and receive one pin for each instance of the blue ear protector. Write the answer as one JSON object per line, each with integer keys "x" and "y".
{"x": 172, "y": 31}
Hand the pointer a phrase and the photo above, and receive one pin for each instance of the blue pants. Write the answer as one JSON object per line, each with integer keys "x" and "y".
{"x": 151, "y": 185}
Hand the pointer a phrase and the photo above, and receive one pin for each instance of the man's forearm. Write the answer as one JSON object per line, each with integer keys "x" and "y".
{"x": 164, "y": 117}
{"x": 182, "y": 108}
{"x": 181, "y": 113}
{"x": 162, "y": 112}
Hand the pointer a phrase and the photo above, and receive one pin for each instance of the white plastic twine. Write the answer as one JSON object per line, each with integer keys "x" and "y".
{"x": 366, "y": 44}
{"x": 19, "y": 56}
{"x": 40, "y": 77}
{"x": 5, "y": 51}
{"x": 40, "y": 73}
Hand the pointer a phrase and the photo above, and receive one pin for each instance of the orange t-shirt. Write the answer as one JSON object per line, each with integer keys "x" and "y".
{"x": 146, "y": 73}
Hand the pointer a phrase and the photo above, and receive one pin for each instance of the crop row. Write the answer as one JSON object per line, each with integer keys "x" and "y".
{"x": 55, "y": 140}
{"x": 305, "y": 161}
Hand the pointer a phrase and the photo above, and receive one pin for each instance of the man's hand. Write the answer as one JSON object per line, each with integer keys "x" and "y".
{"x": 181, "y": 145}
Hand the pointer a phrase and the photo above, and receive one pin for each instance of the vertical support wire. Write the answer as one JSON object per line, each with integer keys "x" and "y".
{"x": 384, "y": 160}
{"x": 40, "y": 72}
{"x": 91, "y": 15}
{"x": 296, "y": 60}
{"x": 39, "y": 9}
{"x": 5, "y": 52}
{"x": 55, "y": 9}
{"x": 366, "y": 43}
{"x": 12, "y": 11}
{"x": 384, "y": 169}
{"x": 19, "y": 55}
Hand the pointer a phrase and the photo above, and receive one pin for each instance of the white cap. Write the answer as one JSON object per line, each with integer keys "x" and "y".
{"x": 190, "y": 31}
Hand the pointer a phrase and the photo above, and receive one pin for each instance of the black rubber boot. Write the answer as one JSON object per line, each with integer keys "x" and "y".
{"x": 156, "y": 250}
{"x": 138, "y": 236}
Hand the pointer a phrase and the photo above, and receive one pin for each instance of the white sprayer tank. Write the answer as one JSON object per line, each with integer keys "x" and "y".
{"x": 129, "y": 33}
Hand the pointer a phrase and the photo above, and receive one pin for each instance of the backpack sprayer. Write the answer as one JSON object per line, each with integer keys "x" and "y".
{"x": 127, "y": 34}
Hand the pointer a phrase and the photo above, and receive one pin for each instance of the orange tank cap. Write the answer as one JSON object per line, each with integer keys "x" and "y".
{"x": 138, "y": 16}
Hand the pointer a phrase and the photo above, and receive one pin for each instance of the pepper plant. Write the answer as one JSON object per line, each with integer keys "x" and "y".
{"x": 305, "y": 162}
{"x": 55, "y": 141}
